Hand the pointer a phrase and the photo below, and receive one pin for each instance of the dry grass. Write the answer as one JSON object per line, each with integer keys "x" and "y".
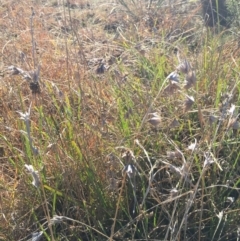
{"x": 118, "y": 122}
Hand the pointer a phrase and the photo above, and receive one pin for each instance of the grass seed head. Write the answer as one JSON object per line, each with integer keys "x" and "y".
{"x": 171, "y": 89}
{"x": 24, "y": 116}
{"x": 101, "y": 68}
{"x": 128, "y": 156}
{"x": 155, "y": 121}
{"x": 37, "y": 236}
{"x": 131, "y": 170}
{"x": 14, "y": 70}
{"x": 189, "y": 101}
{"x": 171, "y": 155}
{"x": 192, "y": 146}
{"x": 35, "y": 175}
{"x": 208, "y": 159}
{"x": 18, "y": 71}
{"x": 233, "y": 123}
{"x": 175, "y": 123}
{"x": 34, "y": 84}
{"x": 174, "y": 192}
{"x": 35, "y": 87}
{"x": 184, "y": 67}
{"x": 175, "y": 169}
{"x": 231, "y": 110}
{"x": 174, "y": 77}
{"x": 56, "y": 219}
{"x": 190, "y": 80}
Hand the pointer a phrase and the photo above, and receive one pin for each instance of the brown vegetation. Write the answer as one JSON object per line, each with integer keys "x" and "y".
{"x": 119, "y": 120}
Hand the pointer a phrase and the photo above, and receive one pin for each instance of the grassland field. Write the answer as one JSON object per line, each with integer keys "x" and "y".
{"x": 119, "y": 120}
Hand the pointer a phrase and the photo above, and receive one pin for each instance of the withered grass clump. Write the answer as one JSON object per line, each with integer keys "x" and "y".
{"x": 118, "y": 121}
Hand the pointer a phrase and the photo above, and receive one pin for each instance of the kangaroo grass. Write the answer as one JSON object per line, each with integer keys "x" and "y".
{"x": 118, "y": 121}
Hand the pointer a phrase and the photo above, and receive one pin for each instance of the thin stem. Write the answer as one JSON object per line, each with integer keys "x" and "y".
{"x": 117, "y": 208}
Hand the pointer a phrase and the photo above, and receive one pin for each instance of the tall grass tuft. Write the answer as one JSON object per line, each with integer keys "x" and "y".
{"x": 118, "y": 121}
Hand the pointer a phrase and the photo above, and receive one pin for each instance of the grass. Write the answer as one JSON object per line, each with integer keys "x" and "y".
{"x": 118, "y": 122}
